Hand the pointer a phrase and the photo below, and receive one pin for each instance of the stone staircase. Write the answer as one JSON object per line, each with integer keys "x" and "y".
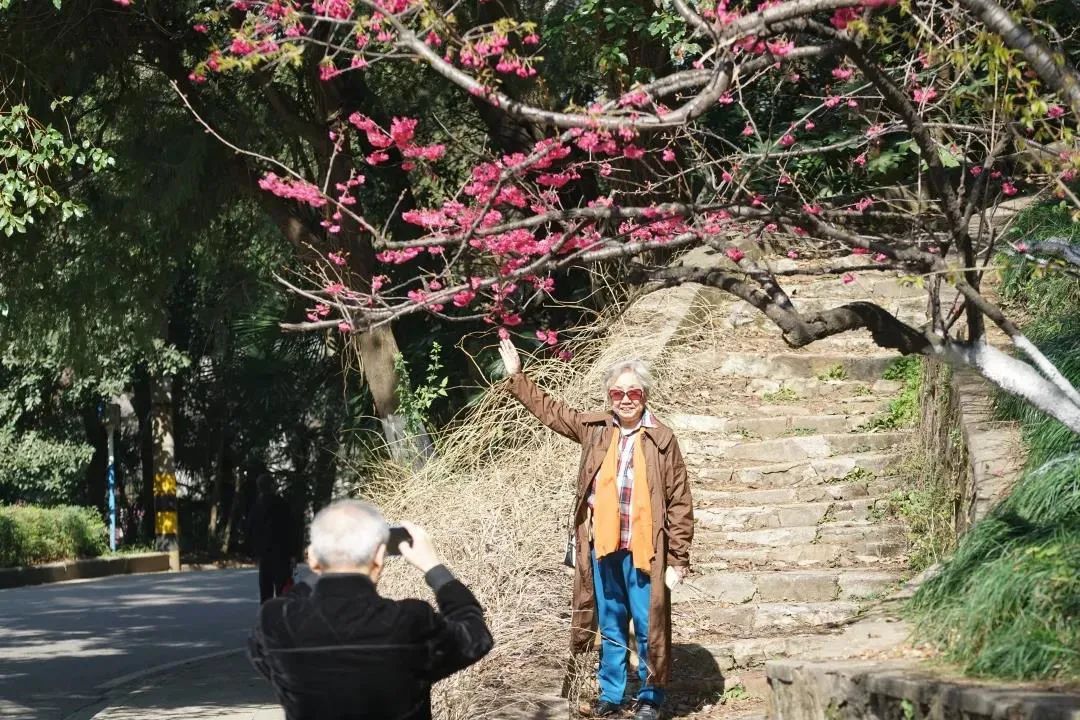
{"x": 793, "y": 547}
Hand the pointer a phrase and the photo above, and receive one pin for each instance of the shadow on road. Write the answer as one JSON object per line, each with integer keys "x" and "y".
{"x": 58, "y": 643}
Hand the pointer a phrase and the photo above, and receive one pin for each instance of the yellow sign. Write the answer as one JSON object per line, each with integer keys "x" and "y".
{"x": 165, "y": 523}
{"x": 164, "y": 484}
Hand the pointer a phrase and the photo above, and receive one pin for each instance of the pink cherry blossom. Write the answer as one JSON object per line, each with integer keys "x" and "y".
{"x": 787, "y": 140}
{"x": 924, "y": 95}
{"x": 463, "y": 298}
{"x": 794, "y": 255}
{"x": 1055, "y": 111}
{"x": 345, "y": 327}
{"x": 549, "y": 337}
{"x": 847, "y": 279}
{"x": 668, "y": 155}
{"x": 1008, "y": 188}
{"x": 780, "y": 48}
{"x": 292, "y": 189}
{"x": 734, "y": 254}
{"x": 748, "y": 130}
{"x": 241, "y": 47}
{"x": 842, "y": 73}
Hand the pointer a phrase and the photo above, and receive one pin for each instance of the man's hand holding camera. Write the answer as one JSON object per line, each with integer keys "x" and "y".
{"x": 421, "y": 552}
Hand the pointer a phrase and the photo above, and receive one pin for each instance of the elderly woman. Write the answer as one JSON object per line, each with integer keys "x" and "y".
{"x": 633, "y": 521}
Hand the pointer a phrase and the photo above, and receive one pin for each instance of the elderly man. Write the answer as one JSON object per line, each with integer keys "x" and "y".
{"x": 340, "y": 651}
{"x": 633, "y": 524}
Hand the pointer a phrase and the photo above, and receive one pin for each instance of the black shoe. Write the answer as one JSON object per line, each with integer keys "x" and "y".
{"x": 603, "y": 708}
{"x": 646, "y": 711}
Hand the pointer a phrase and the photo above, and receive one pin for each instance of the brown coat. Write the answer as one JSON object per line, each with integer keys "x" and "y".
{"x": 672, "y": 512}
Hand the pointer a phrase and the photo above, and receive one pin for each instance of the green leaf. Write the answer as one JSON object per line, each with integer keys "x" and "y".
{"x": 947, "y": 158}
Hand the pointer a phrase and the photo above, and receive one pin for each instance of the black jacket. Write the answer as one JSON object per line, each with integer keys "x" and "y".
{"x": 339, "y": 651}
{"x": 271, "y": 529}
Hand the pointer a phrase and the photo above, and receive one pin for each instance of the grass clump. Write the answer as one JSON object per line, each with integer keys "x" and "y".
{"x": 1006, "y": 603}
{"x": 31, "y": 535}
{"x": 836, "y": 372}
{"x": 784, "y": 394}
{"x": 926, "y": 505}
{"x": 903, "y": 410}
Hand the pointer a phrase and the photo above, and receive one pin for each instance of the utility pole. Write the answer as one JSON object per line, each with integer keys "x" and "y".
{"x": 166, "y": 519}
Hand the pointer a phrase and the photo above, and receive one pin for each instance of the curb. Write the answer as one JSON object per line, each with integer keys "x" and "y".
{"x": 111, "y": 689}
{"x": 83, "y": 569}
{"x": 163, "y": 668}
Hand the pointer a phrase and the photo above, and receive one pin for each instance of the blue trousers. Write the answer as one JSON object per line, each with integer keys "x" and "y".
{"x": 622, "y": 593}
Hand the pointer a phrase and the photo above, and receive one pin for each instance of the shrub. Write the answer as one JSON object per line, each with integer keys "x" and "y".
{"x": 31, "y": 535}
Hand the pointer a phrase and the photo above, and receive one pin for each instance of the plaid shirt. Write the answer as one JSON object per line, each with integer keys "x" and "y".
{"x": 624, "y": 476}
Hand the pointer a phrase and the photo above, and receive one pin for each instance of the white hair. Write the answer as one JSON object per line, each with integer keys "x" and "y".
{"x": 347, "y": 533}
{"x": 640, "y": 369}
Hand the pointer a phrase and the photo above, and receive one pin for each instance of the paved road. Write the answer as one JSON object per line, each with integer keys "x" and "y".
{"x": 58, "y": 643}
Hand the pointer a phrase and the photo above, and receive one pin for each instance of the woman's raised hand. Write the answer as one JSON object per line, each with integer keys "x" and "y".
{"x": 511, "y": 359}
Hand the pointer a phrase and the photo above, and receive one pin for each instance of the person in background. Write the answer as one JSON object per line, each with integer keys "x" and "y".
{"x": 272, "y": 538}
{"x": 340, "y": 651}
{"x": 633, "y": 525}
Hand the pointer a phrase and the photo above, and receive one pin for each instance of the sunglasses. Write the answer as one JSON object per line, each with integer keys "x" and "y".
{"x": 635, "y": 394}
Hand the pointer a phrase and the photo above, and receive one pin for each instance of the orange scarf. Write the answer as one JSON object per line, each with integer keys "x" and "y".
{"x": 606, "y": 507}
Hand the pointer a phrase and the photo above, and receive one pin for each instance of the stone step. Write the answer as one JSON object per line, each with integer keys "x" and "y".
{"x": 788, "y": 495}
{"x": 819, "y": 585}
{"x": 840, "y": 532}
{"x": 700, "y": 449}
{"x": 769, "y": 618}
{"x": 771, "y": 426}
{"x": 700, "y": 402}
{"x": 793, "y": 390}
{"x": 799, "y": 514}
{"x": 807, "y": 365}
{"x": 859, "y": 639}
{"x": 788, "y": 392}
{"x": 870, "y": 552}
{"x": 854, "y": 467}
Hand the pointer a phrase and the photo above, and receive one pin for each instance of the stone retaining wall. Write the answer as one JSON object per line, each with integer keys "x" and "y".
{"x": 857, "y": 690}
{"x": 83, "y": 569}
{"x": 980, "y": 455}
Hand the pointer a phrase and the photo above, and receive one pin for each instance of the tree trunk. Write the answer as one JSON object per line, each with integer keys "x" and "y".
{"x": 145, "y": 493}
{"x": 96, "y": 481}
{"x": 220, "y": 467}
{"x": 166, "y": 519}
{"x": 225, "y": 477}
{"x": 234, "y": 510}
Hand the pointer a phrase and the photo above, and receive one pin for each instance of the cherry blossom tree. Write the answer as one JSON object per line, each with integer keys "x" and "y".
{"x": 886, "y": 129}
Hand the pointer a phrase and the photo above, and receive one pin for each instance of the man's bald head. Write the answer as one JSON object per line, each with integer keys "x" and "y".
{"x": 347, "y": 534}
